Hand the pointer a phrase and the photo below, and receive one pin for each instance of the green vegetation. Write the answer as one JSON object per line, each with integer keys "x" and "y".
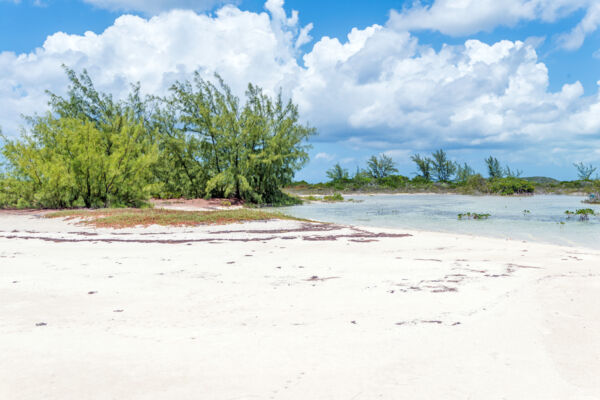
{"x": 337, "y": 173}
{"x": 380, "y": 167}
{"x": 511, "y": 185}
{"x": 199, "y": 141}
{"x": 66, "y": 160}
{"x": 336, "y": 197}
{"x": 470, "y": 215}
{"x": 311, "y": 198}
{"x": 584, "y": 172}
{"x": 583, "y": 214}
{"x": 438, "y": 174}
{"x": 424, "y": 166}
{"x": 442, "y": 168}
{"x": 131, "y": 217}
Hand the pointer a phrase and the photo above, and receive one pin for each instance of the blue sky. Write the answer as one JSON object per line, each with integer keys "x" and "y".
{"x": 469, "y": 76}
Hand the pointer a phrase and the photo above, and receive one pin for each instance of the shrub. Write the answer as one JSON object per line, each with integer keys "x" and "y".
{"x": 420, "y": 180}
{"x": 393, "y": 181}
{"x": 583, "y": 214}
{"x": 333, "y": 198}
{"x": 510, "y": 186}
{"x": 476, "y": 183}
{"x": 67, "y": 162}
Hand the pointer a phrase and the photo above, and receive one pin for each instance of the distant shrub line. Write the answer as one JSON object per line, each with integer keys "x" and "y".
{"x": 436, "y": 173}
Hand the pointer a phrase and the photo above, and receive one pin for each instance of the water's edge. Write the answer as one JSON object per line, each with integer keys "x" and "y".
{"x": 539, "y": 218}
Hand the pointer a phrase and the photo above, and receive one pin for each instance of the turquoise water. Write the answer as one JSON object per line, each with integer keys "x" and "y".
{"x": 439, "y": 213}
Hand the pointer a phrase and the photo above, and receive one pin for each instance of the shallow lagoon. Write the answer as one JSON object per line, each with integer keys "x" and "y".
{"x": 435, "y": 212}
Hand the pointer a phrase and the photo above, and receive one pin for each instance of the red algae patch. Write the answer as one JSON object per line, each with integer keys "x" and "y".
{"x": 130, "y": 217}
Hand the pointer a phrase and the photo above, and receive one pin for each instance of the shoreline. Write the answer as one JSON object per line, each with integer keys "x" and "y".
{"x": 291, "y": 309}
{"x": 343, "y": 193}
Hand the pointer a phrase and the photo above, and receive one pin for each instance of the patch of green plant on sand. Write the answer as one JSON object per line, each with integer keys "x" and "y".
{"x": 333, "y": 198}
{"x": 131, "y": 217}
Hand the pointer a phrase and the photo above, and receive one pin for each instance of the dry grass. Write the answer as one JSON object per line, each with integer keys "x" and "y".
{"x": 130, "y": 217}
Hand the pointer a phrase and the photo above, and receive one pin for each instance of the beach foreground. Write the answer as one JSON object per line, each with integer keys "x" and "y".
{"x": 292, "y": 310}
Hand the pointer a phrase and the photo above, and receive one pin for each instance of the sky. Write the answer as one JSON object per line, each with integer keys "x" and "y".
{"x": 516, "y": 79}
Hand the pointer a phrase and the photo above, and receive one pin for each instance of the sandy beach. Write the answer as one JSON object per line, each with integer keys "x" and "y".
{"x": 292, "y": 310}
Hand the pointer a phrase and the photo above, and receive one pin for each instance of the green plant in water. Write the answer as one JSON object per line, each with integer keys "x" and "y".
{"x": 470, "y": 215}
{"x": 583, "y": 214}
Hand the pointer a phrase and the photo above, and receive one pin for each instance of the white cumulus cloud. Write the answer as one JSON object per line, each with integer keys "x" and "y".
{"x": 465, "y": 17}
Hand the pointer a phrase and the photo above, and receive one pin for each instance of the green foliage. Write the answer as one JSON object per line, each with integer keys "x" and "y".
{"x": 336, "y": 197}
{"x": 583, "y": 214}
{"x": 394, "y": 181}
{"x": 510, "y": 186}
{"x": 470, "y": 215}
{"x": 510, "y": 173}
{"x": 361, "y": 178}
{"x": 337, "y": 173}
{"x": 199, "y": 141}
{"x": 475, "y": 184}
{"x": 464, "y": 172}
{"x": 244, "y": 151}
{"x": 381, "y": 167}
{"x": 419, "y": 180}
{"x": 584, "y": 172}
{"x": 438, "y": 167}
{"x": 80, "y": 155}
{"x": 494, "y": 169}
{"x": 442, "y": 168}
{"x": 541, "y": 180}
{"x": 283, "y": 199}
{"x": 423, "y": 165}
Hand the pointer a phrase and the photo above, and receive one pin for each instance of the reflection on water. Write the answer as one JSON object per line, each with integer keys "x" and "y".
{"x": 539, "y": 218}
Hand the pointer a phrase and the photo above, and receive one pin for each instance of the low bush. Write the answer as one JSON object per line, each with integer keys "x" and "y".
{"x": 333, "y": 198}
{"x": 510, "y": 186}
{"x": 583, "y": 214}
{"x": 393, "y": 181}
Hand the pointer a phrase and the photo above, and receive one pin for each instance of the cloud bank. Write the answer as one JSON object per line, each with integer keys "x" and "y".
{"x": 379, "y": 89}
{"x": 466, "y": 17}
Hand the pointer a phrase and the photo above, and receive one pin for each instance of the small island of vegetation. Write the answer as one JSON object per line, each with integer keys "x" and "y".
{"x": 438, "y": 174}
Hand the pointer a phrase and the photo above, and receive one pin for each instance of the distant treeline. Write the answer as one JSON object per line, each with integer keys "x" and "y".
{"x": 198, "y": 141}
{"x": 439, "y": 174}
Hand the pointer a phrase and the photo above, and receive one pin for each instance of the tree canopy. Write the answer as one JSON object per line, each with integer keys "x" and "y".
{"x": 337, "y": 173}
{"x": 199, "y": 141}
{"x": 381, "y": 167}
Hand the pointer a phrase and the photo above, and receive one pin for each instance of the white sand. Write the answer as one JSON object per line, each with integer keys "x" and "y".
{"x": 430, "y": 316}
